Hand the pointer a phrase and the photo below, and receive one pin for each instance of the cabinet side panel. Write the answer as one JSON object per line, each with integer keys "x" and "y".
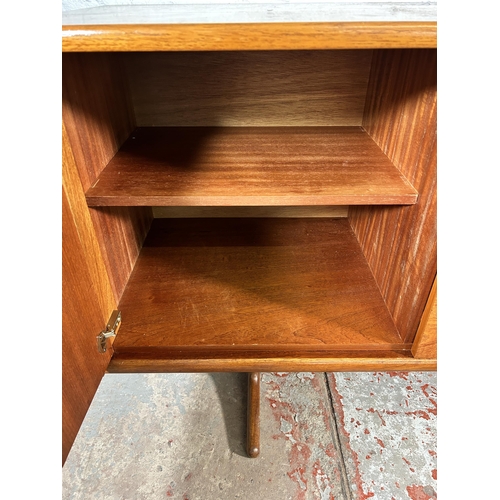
{"x": 287, "y": 88}
{"x": 73, "y": 191}
{"x": 98, "y": 116}
{"x": 96, "y": 110}
{"x": 122, "y": 231}
{"x": 400, "y": 243}
{"x": 425, "y": 345}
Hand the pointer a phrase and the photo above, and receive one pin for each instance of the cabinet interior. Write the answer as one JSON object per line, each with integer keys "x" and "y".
{"x": 259, "y": 204}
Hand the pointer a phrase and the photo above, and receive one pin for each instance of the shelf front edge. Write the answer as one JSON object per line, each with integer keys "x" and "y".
{"x": 249, "y": 201}
{"x": 323, "y": 364}
{"x": 248, "y": 36}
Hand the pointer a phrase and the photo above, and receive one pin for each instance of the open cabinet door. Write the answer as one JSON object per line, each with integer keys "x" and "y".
{"x": 87, "y": 302}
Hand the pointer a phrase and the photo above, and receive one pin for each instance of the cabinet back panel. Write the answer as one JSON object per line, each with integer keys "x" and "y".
{"x": 400, "y": 242}
{"x": 273, "y": 88}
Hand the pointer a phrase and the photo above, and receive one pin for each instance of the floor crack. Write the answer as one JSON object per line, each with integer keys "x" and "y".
{"x": 338, "y": 445}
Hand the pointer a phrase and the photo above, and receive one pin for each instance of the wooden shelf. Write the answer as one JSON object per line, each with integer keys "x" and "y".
{"x": 249, "y": 288}
{"x": 246, "y": 166}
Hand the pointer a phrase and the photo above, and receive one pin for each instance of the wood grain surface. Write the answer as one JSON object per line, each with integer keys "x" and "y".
{"x": 425, "y": 344}
{"x": 253, "y": 415}
{"x": 259, "y": 211}
{"x": 261, "y": 88}
{"x": 256, "y": 285}
{"x": 358, "y": 361}
{"x": 96, "y": 110}
{"x": 121, "y": 231}
{"x": 87, "y": 302}
{"x": 75, "y": 197}
{"x": 400, "y": 242}
{"x": 248, "y": 36}
{"x": 82, "y": 320}
{"x": 98, "y": 117}
{"x": 250, "y": 166}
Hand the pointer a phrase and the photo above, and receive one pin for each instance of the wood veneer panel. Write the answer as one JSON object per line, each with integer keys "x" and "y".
{"x": 291, "y": 88}
{"x": 248, "y": 36}
{"x": 75, "y": 196}
{"x": 252, "y": 284}
{"x": 122, "y": 231}
{"x": 87, "y": 302}
{"x": 96, "y": 110}
{"x": 98, "y": 117}
{"x": 250, "y": 166}
{"x": 425, "y": 344}
{"x": 82, "y": 320}
{"x": 400, "y": 242}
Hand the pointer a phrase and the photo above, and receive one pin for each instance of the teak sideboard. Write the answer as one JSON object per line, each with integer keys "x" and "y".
{"x": 257, "y": 197}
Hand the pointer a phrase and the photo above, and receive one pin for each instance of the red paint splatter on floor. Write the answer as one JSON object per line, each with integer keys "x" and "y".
{"x": 403, "y": 375}
{"x": 297, "y": 476}
{"x": 339, "y": 410}
{"x": 316, "y": 383}
{"x": 418, "y": 493}
{"x": 371, "y": 410}
{"x": 424, "y": 387}
{"x": 419, "y": 413}
{"x": 280, "y": 408}
{"x": 432, "y": 453}
{"x": 330, "y": 451}
{"x": 325, "y": 413}
{"x": 434, "y": 474}
{"x": 322, "y": 479}
{"x": 367, "y": 431}
{"x": 380, "y": 442}
{"x": 300, "y": 452}
{"x": 406, "y": 461}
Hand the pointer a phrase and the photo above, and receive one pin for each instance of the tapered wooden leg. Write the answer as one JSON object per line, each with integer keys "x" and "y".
{"x": 253, "y": 415}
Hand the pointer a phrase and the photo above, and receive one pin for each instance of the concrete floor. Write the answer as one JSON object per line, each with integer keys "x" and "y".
{"x": 342, "y": 436}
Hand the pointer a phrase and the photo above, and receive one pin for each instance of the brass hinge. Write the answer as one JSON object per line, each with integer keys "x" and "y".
{"x": 111, "y": 331}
